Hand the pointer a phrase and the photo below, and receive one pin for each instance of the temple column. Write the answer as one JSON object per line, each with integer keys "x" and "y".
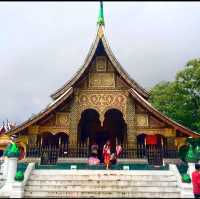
{"x": 131, "y": 124}
{"x": 74, "y": 119}
{"x": 171, "y": 142}
{"x": 33, "y": 131}
{"x": 101, "y": 117}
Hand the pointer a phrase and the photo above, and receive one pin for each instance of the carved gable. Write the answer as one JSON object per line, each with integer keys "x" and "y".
{"x": 101, "y": 80}
{"x": 155, "y": 123}
{"x": 120, "y": 84}
{"x": 62, "y": 119}
{"x": 101, "y": 64}
{"x": 110, "y": 68}
{"x": 139, "y": 109}
{"x": 142, "y": 120}
{"x": 102, "y": 75}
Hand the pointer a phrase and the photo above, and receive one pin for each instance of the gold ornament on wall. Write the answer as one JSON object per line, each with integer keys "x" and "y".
{"x": 62, "y": 119}
{"x": 102, "y": 80}
{"x": 102, "y": 101}
{"x": 101, "y": 63}
{"x": 142, "y": 120}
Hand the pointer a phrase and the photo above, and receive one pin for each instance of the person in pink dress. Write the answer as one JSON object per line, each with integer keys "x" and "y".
{"x": 118, "y": 150}
{"x": 93, "y": 160}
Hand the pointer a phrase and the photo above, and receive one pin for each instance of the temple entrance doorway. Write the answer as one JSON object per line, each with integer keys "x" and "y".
{"x": 88, "y": 127}
{"x": 90, "y": 130}
{"x": 101, "y": 138}
{"x": 115, "y": 127}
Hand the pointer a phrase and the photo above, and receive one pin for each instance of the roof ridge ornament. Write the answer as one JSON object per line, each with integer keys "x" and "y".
{"x": 100, "y": 20}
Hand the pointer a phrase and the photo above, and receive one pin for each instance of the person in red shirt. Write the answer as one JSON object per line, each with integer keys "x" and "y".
{"x": 107, "y": 154}
{"x": 196, "y": 181}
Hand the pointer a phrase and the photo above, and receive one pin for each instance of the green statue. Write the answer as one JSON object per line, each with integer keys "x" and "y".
{"x": 186, "y": 178}
{"x": 191, "y": 155}
{"x": 197, "y": 151}
{"x": 19, "y": 176}
{"x": 12, "y": 150}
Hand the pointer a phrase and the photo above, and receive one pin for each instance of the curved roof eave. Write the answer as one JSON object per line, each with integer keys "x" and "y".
{"x": 53, "y": 105}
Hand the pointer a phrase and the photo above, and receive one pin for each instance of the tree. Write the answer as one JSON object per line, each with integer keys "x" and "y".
{"x": 180, "y": 99}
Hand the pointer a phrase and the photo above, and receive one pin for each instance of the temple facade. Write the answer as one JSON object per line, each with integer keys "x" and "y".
{"x": 100, "y": 102}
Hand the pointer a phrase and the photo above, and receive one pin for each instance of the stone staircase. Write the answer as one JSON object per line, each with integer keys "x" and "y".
{"x": 102, "y": 183}
{"x": 2, "y": 180}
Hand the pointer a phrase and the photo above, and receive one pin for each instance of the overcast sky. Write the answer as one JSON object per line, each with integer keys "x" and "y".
{"x": 42, "y": 44}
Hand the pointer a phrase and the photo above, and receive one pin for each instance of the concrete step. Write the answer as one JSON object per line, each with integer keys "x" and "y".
{"x": 104, "y": 177}
{"x": 102, "y": 184}
{"x": 104, "y": 194}
{"x": 99, "y": 183}
{"x": 100, "y": 188}
{"x": 101, "y": 172}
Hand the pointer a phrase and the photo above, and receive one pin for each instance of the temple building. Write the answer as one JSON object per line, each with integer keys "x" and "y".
{"x": 100, "y": 102}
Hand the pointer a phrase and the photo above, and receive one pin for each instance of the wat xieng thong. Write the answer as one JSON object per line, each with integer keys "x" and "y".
{"x": 100, "y": 102}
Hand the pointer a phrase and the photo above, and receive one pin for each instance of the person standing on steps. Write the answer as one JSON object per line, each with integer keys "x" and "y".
{"x": 94, "y": 149}
{"x": 114, "y": 156}
{"x": 196, "y": 181}
{"x": 107, "y": 154}
{"x": 118, "y": 150}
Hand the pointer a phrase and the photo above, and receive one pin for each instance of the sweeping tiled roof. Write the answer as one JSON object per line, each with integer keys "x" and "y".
{"x": 136, "y": 91}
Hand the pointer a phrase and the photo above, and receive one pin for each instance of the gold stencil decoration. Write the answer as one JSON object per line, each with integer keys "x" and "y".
{"x": 142, "y": 120}
{"x": 102, "y": 101}
{"x": 33, "y": 129}
{"x": 101, "y": 63}
{"x": 62, "y": 119}
{"x": 169, "y": 132}
{"x": 102, "y": 80}
{"x": 120, "y": 84}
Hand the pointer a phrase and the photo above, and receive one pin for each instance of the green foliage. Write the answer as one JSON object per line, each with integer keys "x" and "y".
{"x": 19, "y": 176}
{"x": 191, "y": 155}
{"x": 186, "y": 178}
{"x": 180, "y": 99}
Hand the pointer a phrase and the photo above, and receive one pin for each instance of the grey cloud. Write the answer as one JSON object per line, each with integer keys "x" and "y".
{"x": 44, "y": 43}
